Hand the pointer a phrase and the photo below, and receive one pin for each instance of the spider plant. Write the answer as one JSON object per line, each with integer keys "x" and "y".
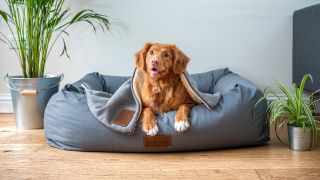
{"x": 294, "y": 109}
{"x": 37, "y": 25}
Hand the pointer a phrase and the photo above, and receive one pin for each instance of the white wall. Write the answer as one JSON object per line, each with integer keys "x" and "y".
{"x": 251, "y": 37}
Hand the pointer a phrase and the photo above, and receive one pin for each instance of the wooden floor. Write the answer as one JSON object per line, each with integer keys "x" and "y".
{"x": 26, "y": 155}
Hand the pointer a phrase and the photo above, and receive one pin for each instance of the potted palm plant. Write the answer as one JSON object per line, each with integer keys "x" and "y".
{"x": 36, "y": 27}
{"x": 296, "y": 111}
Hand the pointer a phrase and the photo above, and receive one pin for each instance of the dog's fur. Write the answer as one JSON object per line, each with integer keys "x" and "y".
{"x": 162, "y": 89}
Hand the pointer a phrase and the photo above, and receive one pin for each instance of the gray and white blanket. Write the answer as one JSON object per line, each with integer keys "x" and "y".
{"x": 121, "y": 111}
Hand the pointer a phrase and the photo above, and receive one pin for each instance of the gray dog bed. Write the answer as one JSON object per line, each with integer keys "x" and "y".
{"x": 234, "y": 122}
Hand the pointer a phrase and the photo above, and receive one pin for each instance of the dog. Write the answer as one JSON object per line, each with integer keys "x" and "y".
{"x": 161, "y": 88}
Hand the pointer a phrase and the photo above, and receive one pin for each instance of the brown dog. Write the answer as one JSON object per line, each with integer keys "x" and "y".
{"x": 162, "y": 89}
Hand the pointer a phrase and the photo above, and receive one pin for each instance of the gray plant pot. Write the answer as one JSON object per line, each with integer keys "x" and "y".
{"x": 300, "y": 139}
{"x": 30, "y": 97}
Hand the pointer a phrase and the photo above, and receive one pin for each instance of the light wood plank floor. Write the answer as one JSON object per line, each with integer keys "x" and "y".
{"x": 26, "y": 155}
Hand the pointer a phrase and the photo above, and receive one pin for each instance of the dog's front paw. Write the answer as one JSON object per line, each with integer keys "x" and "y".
{"x": 151, "y": 131}
{"x": 181, "y": 126}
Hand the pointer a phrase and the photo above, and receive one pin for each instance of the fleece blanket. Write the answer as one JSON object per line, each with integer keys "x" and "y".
{"x": 121, "y": 111}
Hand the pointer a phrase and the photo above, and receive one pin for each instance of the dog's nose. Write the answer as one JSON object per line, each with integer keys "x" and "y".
{"x": 154, "y": 62}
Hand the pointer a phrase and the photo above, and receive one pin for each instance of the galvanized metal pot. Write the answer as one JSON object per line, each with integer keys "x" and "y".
{"x": 30, "y": 97}
{"x": 300, "y": 139}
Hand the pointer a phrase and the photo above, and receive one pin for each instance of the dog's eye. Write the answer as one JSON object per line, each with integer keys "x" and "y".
{"x": 151, "y": 52}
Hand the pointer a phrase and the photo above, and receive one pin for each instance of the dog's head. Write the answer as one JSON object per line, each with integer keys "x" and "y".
{"x": 159, "y": 60}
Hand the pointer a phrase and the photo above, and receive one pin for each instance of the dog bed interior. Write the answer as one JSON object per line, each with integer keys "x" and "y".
{"x": 234, "y": 122}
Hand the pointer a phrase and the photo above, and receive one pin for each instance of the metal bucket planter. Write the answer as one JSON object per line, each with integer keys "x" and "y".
{"x": 300, "y": 139}
{"x": 30, "y": 97}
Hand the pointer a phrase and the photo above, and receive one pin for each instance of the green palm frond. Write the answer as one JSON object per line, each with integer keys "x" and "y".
{"x": 38, "y": 24}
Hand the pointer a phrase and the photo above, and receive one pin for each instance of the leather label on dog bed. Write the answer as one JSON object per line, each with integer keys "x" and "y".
{"x": 159, "y": 141}
{"x": 124, "y": 118}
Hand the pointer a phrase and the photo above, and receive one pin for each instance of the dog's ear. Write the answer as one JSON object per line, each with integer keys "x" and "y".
{"x": 141, "y": 56}
{"x": 180, "y": 60}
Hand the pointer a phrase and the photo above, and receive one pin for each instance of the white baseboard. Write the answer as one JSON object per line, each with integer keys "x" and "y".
{"x": 272, "y": 97}
{"x": 6, "y": 103}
